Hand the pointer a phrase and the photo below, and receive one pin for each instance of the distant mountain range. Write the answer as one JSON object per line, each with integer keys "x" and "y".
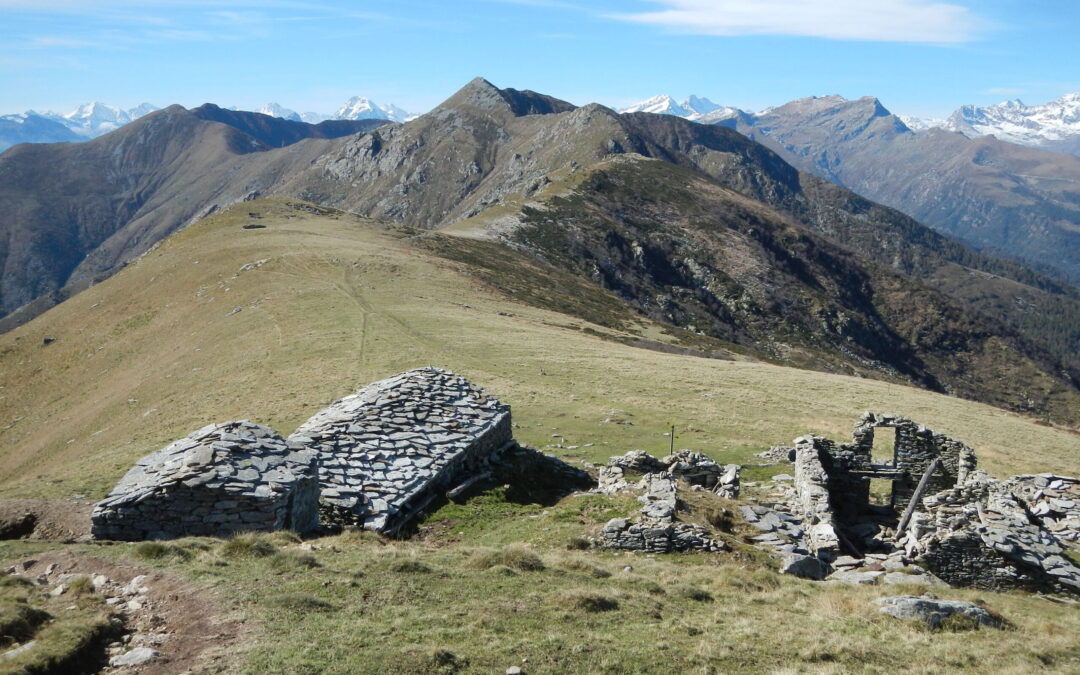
{"x": 88, "y": 121}
{"x": 356, "y": 108}
{"x": 1020, "y": 201}
{"x": 95, "y": 119}
{"x": 1050, "y": 126}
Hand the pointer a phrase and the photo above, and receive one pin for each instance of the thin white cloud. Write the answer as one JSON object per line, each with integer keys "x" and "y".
{"x": 866, "y": 20}
{"x": 50, "y": 41}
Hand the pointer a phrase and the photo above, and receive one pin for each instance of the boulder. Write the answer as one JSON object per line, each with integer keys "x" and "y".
{"x": 804, "y": 567}
{"x": 932, "y": 611}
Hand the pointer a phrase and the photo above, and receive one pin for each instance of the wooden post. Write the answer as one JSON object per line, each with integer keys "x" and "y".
{"x": 671, "y": 444}
{"x": 915, "y": 498}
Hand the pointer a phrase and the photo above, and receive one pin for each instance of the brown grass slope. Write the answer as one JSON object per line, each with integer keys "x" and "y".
{"x": 74, "y": 211}
{"x": 270, "y": 324}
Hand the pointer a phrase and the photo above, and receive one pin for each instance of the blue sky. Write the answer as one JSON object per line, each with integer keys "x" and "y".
{"x": 923, "y": 57}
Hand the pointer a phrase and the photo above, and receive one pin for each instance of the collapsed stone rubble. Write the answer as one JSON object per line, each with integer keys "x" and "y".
{"x": 373, "y": 459}
{"x": 944, "y": 515}
{"x": 657, "y": 530}
{"x": 391, "y": 445}
{"x": 216, "y": 481}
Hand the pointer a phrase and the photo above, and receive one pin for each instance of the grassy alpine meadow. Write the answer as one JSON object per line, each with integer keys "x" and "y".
{"x": 271, "y": 323}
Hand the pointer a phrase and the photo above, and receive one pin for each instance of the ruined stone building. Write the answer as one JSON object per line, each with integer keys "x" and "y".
{"x": 388, "y": 448}
{"x": 966, "y": 527}
{"x": 219, "y": 480}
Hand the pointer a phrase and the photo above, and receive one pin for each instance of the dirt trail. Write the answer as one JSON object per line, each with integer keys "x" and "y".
{"x": 182, "y": 622}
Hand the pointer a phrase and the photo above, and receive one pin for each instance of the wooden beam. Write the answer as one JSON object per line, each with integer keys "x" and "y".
{"x": 467, "y": 484}
{"x": 923, "y": 482}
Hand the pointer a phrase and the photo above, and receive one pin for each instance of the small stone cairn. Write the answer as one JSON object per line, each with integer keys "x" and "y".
{"x": 656, "y": 530}
{"x": 220, "y": 479}
{"x": 385, "y": 449}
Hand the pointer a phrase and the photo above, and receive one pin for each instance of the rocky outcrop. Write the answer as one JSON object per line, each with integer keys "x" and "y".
{"x": 221, "y": 479}
{"x": 387, "y": 449}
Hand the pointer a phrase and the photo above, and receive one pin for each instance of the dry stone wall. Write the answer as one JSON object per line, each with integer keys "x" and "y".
{"x": 915, "y": 448}
{"x": 221, "y": 479}
{"x": 387, "y": 448}
{"x": 656, "y": 529}
{"x": 813, "y": 499}
{"x": 967, "y": 528}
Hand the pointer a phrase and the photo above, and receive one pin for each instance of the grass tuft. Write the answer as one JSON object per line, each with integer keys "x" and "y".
{"x": 300, "y": 602}
{"x": 155, "y": 550}
{"x": 81, "y": 585}
{"x": 244, "y": 546}
{"x": 288, "y": 561}
{"x": 593, "y": 602}
{"x": 693, "y": 593}
{"x": 410, "y": 567}
{"x": 514, "y": 556}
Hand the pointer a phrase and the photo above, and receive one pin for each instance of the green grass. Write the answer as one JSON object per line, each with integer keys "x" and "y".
{"x": 390, "y": 607}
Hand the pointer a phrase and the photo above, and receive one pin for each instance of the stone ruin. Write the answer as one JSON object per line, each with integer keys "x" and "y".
{"x": 965, "y": 527}
{"x": 372, "y": 459}
{"x": 657, "y": 530}
{"x": 388, "y": 448}
{"x": 221, "y": 479}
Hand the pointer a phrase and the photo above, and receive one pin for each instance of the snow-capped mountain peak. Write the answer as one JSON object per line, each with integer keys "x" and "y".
{"x": 277, "y": 110}
{"x": 359, "y": 108}
{"x": 362, "y": 108}
{"x": 699, "y": 105}
{"x": 659, "y": 105}
{"x": 692, "y": 107}
{"x": 1036, "y": 125}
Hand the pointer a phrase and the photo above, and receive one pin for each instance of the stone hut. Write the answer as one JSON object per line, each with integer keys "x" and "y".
{"x": 222, "y": 479}
{"x": 387, "y": 450}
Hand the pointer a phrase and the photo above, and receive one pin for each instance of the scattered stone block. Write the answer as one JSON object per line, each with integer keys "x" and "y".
{"x": 804, "y": 566}
{"x": 932, "y": 611}
{"x": 135, "y": 657}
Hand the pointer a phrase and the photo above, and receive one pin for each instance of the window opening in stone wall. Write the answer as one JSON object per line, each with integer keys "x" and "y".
{"x": 884, "y": 452}
{"x": 881, "y": 491}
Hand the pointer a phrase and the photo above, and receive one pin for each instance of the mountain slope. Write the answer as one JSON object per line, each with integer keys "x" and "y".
{"x": 686, "y": 251}
{"x": 485, "y": 160}
{"x": 985, "y": 192}
{"x": 75, "y": 211}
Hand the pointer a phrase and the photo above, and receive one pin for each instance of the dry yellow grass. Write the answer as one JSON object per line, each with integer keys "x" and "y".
{"x": 271, "y": 324}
